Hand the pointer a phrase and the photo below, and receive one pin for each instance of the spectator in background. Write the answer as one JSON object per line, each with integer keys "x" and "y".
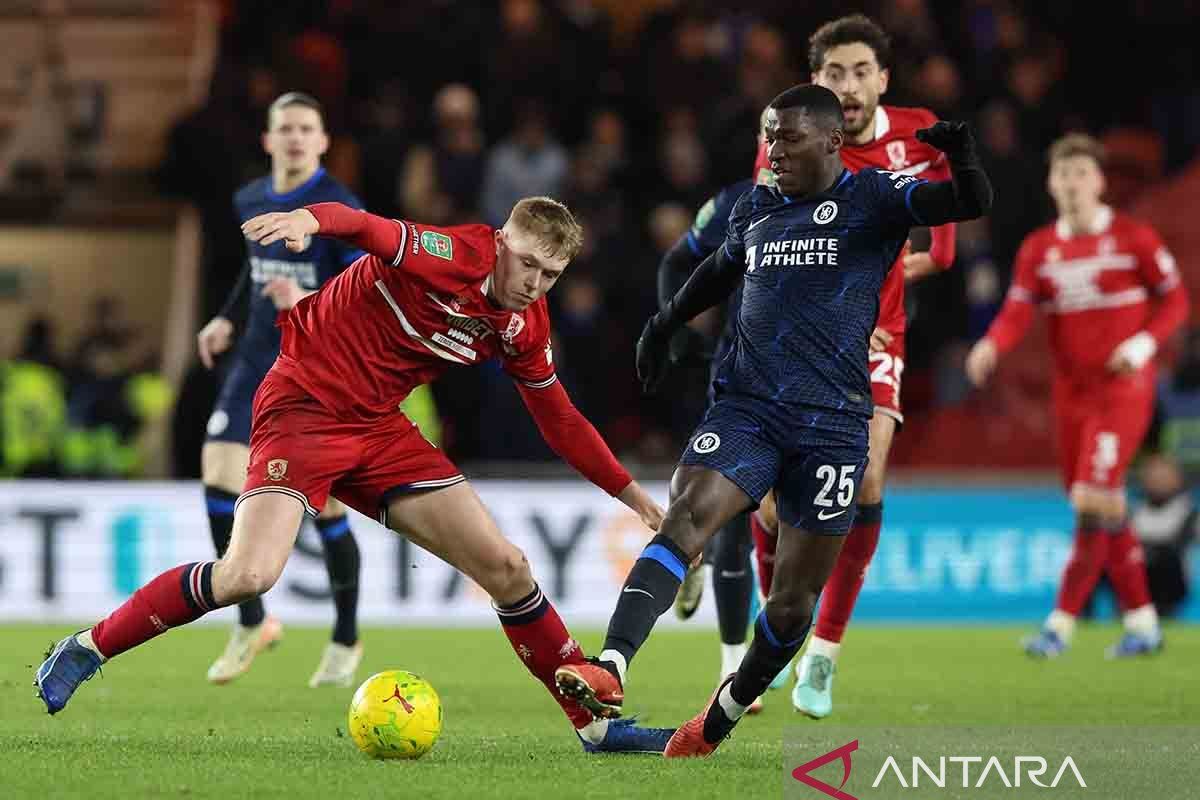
{"x": 686, "y": 70}
{"x": 440, "y": 182}
{"x": 1166, "y": 521}
{"x": 937, "y": 85}
{"x": 682, "y": 160}
{"x": 385, "y": 148}
{"x": 526, "y": 48}
{"x": 528, "y": 163}
{"x": 1019, "y": 177}
{"x": 763, "y": 71}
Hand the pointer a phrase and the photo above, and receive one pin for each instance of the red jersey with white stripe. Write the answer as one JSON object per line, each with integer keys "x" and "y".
{"x": 379, "y": 329}
{"x": 895, "y": 147}
{"x": 1097, "y": 288}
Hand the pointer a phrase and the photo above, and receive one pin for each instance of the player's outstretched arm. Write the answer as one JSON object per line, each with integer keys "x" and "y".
{"x": 378, "y": 236}
{"x": 578, "y": 443}
{"x": 968, "y": 194}
{"x": 711, "y": 283}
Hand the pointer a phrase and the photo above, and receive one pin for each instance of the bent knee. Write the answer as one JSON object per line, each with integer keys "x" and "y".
{"x": 507, "y": 576}
{"x": 790, "y": 614}
{"x": 237, "y": 582}
{"x": 1097, "y": 507}
{"x": 870, "y": 491}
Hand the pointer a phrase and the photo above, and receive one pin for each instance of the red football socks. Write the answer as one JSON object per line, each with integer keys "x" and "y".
{"x": 542, "y": 642}
{"x": 764, "y": 553}
{"x": 176, "y": 597}
{"x": 846, "y": 581}
{"x": 1126, "y": 568}
{"x": 1083, "y": 569}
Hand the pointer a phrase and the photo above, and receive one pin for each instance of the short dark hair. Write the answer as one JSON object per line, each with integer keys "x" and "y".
{"x": 816, "y": 100}
{"x": 289, "y": 99}
{"x": 849, "y": 30}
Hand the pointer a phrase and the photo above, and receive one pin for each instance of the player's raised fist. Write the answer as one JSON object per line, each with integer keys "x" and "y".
{"x": 949, "y": 137}
{"x": 293, "y": 228}
{"x": 653, "y": 354}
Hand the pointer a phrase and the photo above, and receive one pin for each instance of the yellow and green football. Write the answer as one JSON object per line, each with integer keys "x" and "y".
{"x": 395, "y": 714}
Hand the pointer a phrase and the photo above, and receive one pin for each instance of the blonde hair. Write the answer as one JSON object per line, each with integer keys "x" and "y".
{"x": 552, "y": 223}
{"x": 1076, "y": 144}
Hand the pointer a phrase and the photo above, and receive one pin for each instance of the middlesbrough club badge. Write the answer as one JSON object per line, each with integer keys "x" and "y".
{"x": 277, "y": 469}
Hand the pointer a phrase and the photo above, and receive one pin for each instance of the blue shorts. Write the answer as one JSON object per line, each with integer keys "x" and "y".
{"x": 230, "y": 420}
{"x": 815, "y": 472}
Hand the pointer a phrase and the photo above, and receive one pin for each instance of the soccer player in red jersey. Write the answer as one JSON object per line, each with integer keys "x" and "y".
{"x": 327, "y": 421}
{"x": 850, "y": 57}
{"x": 1112, "y": 296}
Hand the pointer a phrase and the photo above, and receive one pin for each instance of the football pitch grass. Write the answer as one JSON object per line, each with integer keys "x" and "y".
{"x": 152, "y": 727}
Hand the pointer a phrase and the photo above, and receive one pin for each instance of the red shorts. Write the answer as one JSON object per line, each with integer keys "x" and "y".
{"x": 299, "y": 447}
{"x": 1100, "y": 428}
{"x": 886, "y": 366}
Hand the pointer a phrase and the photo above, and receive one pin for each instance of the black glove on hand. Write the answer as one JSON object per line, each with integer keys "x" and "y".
{"x": 653, "y": 353}
{"x": 690, "y": 348}
{"x": 952, "y": 138}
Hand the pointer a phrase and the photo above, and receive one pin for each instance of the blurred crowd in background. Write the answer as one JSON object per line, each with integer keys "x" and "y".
{"x": 634, "y": 113}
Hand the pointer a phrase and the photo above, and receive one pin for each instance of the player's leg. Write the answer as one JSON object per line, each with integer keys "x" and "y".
{"x": 733, "y": 584}
{"x": 691, "y": 591}
{"x": 343, "y": 654}
{"x": 803, "y": 562}
{"x": 223, "y": 463}
{"x": 1122, "y": 425}
{"x": 1089, "y": 549}
{"x": 453, "y": 524}
{"x": 763, "y": 527}
{"x": 264, "y": 531}
{"x": 813, "y": 693}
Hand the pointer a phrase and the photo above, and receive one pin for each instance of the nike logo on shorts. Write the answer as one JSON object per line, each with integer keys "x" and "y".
{"x": 643, "y": 591}
{"x": 824, "y": 515}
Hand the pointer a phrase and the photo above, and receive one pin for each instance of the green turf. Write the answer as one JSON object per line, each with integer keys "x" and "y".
{"x": 152, "y": 727}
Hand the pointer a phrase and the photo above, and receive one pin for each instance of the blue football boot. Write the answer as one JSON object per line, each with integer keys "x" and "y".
{"x": 625, "y": 736}
{"x": 67, "y": 665}
{"x": 1136, "y": 644}
{"x": 1044, "y": 644}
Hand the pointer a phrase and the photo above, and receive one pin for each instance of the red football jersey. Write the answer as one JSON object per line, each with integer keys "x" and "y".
{"x": 895, "y": 147}
{"x": 1096, "y": 289}
{"x": 380, "y": 329}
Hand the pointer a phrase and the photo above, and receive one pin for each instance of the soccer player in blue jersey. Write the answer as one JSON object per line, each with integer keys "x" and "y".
{"x": 727, "y": 555}
{"x": 275, "y": 279}
{"x": 793, "y": 397}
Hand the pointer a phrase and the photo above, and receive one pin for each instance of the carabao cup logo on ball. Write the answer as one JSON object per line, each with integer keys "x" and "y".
{"x": 706, "y": 443}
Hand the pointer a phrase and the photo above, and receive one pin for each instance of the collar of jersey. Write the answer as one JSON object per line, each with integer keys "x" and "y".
{"x": 299, "y": 190}
{"x": 845, "y": 177}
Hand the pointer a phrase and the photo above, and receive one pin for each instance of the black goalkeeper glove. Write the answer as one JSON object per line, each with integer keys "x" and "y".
{"x": 952, "y": 138}
{"x": 653, "y": 353}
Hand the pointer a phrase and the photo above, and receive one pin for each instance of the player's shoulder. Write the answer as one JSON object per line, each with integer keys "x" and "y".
{"x": 330, "y": 190}
{"x": 253, "y": 192}
{"x": 468, "y": 250}
{"x": 729, "y": 195}
{"x": 1128, "y": 226}
{"x": 756, "y": 199}
{"x": 1041, "y": 238}
{"x": 905, "y": 121}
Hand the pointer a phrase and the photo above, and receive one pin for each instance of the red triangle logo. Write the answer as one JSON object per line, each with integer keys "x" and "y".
{"x": 800, "y": 773}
